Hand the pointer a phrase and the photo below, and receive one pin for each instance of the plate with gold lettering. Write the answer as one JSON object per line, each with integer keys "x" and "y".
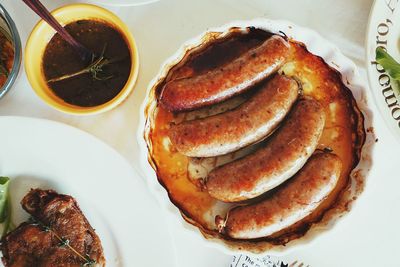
{"x": 383, "y": 60}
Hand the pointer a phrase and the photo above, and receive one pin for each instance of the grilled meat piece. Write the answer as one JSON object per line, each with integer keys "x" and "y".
{"x": 57, "y": 229}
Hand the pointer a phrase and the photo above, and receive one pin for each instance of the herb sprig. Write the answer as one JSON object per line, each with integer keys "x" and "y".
{"x": 95, "y": 69}
{"x": 64, "y": 242}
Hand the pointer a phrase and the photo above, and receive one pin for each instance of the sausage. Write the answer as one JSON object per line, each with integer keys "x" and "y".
{"x": 285, "y": 152}
{"x": 250, "y": 122}
{"x": 291, "y": 203}
{"x": 231, "y": 79}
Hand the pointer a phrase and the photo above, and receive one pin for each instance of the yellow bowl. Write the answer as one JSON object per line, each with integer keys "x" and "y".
{"x": 42, "y": 34}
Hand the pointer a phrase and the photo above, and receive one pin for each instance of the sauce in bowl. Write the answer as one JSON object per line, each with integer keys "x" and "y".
{"x": 73, "y": 80}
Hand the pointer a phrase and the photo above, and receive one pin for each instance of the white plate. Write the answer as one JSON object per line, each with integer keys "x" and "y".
{"x": 384, "y": 30}
{"x": 123, "y": 2}
{"x": 317, "y": 45}
{"x": 39, "y": 153}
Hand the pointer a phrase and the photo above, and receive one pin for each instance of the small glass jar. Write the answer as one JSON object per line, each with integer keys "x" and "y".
{"x": 9, "y": 30}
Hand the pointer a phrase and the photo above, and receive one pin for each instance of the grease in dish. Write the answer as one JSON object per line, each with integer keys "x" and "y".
{"x": 331, "y": 126}
{"x": 58, "y": 234}
{"x": 82, "y": 83}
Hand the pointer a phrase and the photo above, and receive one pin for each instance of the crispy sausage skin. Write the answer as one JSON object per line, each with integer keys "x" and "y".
{"x": 286, "y": 151}
{"x": 292, "y": 202}
{"x": 250, "y": 122}
{"x": 220, "y": 84}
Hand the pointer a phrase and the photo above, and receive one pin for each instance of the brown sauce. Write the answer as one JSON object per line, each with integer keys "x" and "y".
{"x": 6, "y": 58}
{"x": 344, "y": 132}
{"x": 86, "y": 90}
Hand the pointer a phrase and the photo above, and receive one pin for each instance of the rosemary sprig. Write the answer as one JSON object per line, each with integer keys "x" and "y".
{"x": 95, "y": 69}
{"x": 64, "y": 242}
{"x": 89, "y": 261}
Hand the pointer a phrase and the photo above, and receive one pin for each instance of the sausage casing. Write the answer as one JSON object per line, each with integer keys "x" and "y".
{"x": 286, "y": 151}
{"x": 231, "y": 79}
{"x": 292, "y": 202}
{"x": 250, "y": 122}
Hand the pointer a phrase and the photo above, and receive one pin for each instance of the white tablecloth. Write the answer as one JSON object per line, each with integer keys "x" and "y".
{"x": 159, "y": 29}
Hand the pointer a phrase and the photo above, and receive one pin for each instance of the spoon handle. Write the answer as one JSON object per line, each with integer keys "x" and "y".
{"x": 41, "y": 10}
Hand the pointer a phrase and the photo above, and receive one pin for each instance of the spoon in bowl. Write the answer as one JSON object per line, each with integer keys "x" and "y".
{"x": 85, "y": 54}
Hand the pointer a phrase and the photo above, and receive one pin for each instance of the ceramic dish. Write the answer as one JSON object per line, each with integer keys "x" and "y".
{"x": 317, "y": 46}
{"x": 384, "y": 30}
{"x": 8, "y": 29}
{"x": 49, "y": 155}
{"x": 41, "y": 35}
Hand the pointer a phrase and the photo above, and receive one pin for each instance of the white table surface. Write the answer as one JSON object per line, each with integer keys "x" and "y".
{"x": 160, "y": 28}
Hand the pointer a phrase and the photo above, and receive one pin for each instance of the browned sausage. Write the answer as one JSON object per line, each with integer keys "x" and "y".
{"x": 229, "y": 80}
{"x": 283, "y": 155}
{"x": 291, "y": 203}
{"x": 250, "y": 122}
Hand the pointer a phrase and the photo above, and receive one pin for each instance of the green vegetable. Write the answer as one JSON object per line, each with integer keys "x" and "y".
{"x": 391, "y": 66}
{"x": 8, "y": 225}
{"x": 5, "y": 208}
{"x": 4, "y": 184}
